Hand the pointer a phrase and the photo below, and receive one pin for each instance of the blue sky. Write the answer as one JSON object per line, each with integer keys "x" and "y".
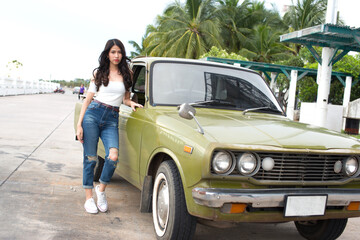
{"x": 62, "y": 39}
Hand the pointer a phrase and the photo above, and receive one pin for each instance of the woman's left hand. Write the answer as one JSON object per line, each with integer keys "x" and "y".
{"x": 134, "y": 105}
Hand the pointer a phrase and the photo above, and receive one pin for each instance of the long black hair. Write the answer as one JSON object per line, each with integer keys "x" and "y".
{"x": 101, "y": 73}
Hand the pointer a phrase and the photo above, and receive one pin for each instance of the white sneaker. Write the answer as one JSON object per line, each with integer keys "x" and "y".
{"x": 90, "y": 206}
{"x": 101, "y": 200}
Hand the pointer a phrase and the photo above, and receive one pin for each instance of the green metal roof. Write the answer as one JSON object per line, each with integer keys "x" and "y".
{"x": 267, "y": 68}
{"x": 326, "y": 35}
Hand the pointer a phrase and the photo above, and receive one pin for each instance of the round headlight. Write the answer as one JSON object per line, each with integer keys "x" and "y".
{"x": 222, "y": 162}
{"x": 351, "y": 166}
{"x": 248, "y": 164}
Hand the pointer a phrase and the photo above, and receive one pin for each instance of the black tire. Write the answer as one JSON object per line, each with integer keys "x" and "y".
{"x": 171, "y": 221}
{"x": 98, "y": 169}
{"x": 329, "y": 229}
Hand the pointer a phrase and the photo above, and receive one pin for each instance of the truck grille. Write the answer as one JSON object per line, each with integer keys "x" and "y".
{"x": 301, "y": 167}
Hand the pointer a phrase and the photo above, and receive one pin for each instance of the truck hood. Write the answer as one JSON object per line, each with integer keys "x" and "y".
{"x": 230, "y": 127}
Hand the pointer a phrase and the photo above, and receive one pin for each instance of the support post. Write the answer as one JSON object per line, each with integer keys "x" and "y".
{"x": 346, "y": 99}
{"x": 273, "y": 81}
{"x": 347, "y": 91}
{"x": 318, "y": 76}
{"x": 324, "y": 88}
{"x": 326, "y": 70}
{"x": 292, "y": 95}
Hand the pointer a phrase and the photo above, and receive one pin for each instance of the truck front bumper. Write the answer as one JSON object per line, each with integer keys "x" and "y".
{"x": 263, "y": 198}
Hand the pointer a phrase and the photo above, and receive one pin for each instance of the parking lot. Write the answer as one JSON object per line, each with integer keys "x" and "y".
{"x": 41, "y": 195}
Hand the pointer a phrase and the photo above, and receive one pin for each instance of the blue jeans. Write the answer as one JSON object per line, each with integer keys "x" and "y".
{"x": 99, "y": 121}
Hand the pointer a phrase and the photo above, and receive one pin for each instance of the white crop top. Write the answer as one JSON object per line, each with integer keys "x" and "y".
{"x": 112, "y": 95}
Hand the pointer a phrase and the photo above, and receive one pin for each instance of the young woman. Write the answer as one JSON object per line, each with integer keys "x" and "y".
{"x": 99, "y": 119}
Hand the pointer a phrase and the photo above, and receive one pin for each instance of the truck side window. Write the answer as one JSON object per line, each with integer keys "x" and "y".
{"x": 139, "y": 84}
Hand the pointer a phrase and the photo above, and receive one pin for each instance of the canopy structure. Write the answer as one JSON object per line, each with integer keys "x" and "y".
{"x": 332, "y": 38}
{"x": 267, "y": 68}
{"x": 327, "y": 35}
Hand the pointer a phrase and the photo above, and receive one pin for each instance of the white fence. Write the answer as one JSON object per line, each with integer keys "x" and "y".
{"x": 9, "y": 86}
{"x": 334, "y": 119}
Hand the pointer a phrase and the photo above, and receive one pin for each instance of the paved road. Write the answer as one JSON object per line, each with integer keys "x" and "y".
{"x": 40, "y": 183}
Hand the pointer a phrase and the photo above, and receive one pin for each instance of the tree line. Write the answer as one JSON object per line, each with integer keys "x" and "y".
{"x": 73, "y": 83}
{"x": 246, "y": 30}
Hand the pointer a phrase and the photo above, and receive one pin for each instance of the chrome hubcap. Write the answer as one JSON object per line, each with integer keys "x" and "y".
{"x": 163, "y": 203}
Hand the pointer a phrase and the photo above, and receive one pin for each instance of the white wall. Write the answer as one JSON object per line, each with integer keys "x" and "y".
{"x": 10, "y": 86}
{"x": 334, "y": 120}
{"x": 353, "y": 109}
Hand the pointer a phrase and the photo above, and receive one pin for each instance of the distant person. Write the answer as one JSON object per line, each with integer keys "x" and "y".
{"x": 99, "y": 118}
{"x": 81, "y": 91}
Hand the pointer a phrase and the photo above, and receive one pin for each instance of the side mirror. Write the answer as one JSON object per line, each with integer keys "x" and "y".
{"x": 186, "y": 111}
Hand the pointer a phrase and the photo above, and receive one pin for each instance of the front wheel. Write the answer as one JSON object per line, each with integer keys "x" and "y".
{"x": 170, "y": 216}
{"x": 329, "y": 229}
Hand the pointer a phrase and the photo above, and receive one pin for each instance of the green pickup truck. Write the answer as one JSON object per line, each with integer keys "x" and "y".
{"x": 213, "y": 145}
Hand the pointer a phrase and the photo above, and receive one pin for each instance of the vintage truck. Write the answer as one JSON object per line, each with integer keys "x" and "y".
{"x": 212, "y": 145}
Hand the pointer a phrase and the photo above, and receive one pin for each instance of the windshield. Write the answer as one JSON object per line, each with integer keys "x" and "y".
{"x": 176, "y": 83}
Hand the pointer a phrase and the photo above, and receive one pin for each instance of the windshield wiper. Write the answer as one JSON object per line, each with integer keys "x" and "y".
{"x": 261, "y": 108}
{"x": 213, "y": 102}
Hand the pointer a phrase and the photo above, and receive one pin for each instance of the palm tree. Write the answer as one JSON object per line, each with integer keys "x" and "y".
{"x": 141, "y": 50}
{"x": 238, "y": 20}
{"x": 232, "y": 16}
{"x": 305, "y": 13}
{"x": 257, "y": 14}
{"x": 138, "y": 49}
{"x": 187, "y": 30}
{"x": 264, "y": 45}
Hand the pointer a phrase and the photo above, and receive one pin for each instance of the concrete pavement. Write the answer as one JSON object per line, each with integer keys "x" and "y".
{"x": 41, "y": 195}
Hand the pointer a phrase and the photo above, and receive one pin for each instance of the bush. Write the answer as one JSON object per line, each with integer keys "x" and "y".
{"x": 221, "y": 53}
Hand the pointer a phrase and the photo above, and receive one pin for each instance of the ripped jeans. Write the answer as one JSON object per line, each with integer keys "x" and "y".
{"x": 99, "y": 122}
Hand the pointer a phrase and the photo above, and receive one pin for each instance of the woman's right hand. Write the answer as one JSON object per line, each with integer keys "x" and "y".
{"x": 79, "y": 134}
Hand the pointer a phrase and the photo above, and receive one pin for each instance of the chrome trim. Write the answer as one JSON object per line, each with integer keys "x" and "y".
{"x": 260, "y": 198}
